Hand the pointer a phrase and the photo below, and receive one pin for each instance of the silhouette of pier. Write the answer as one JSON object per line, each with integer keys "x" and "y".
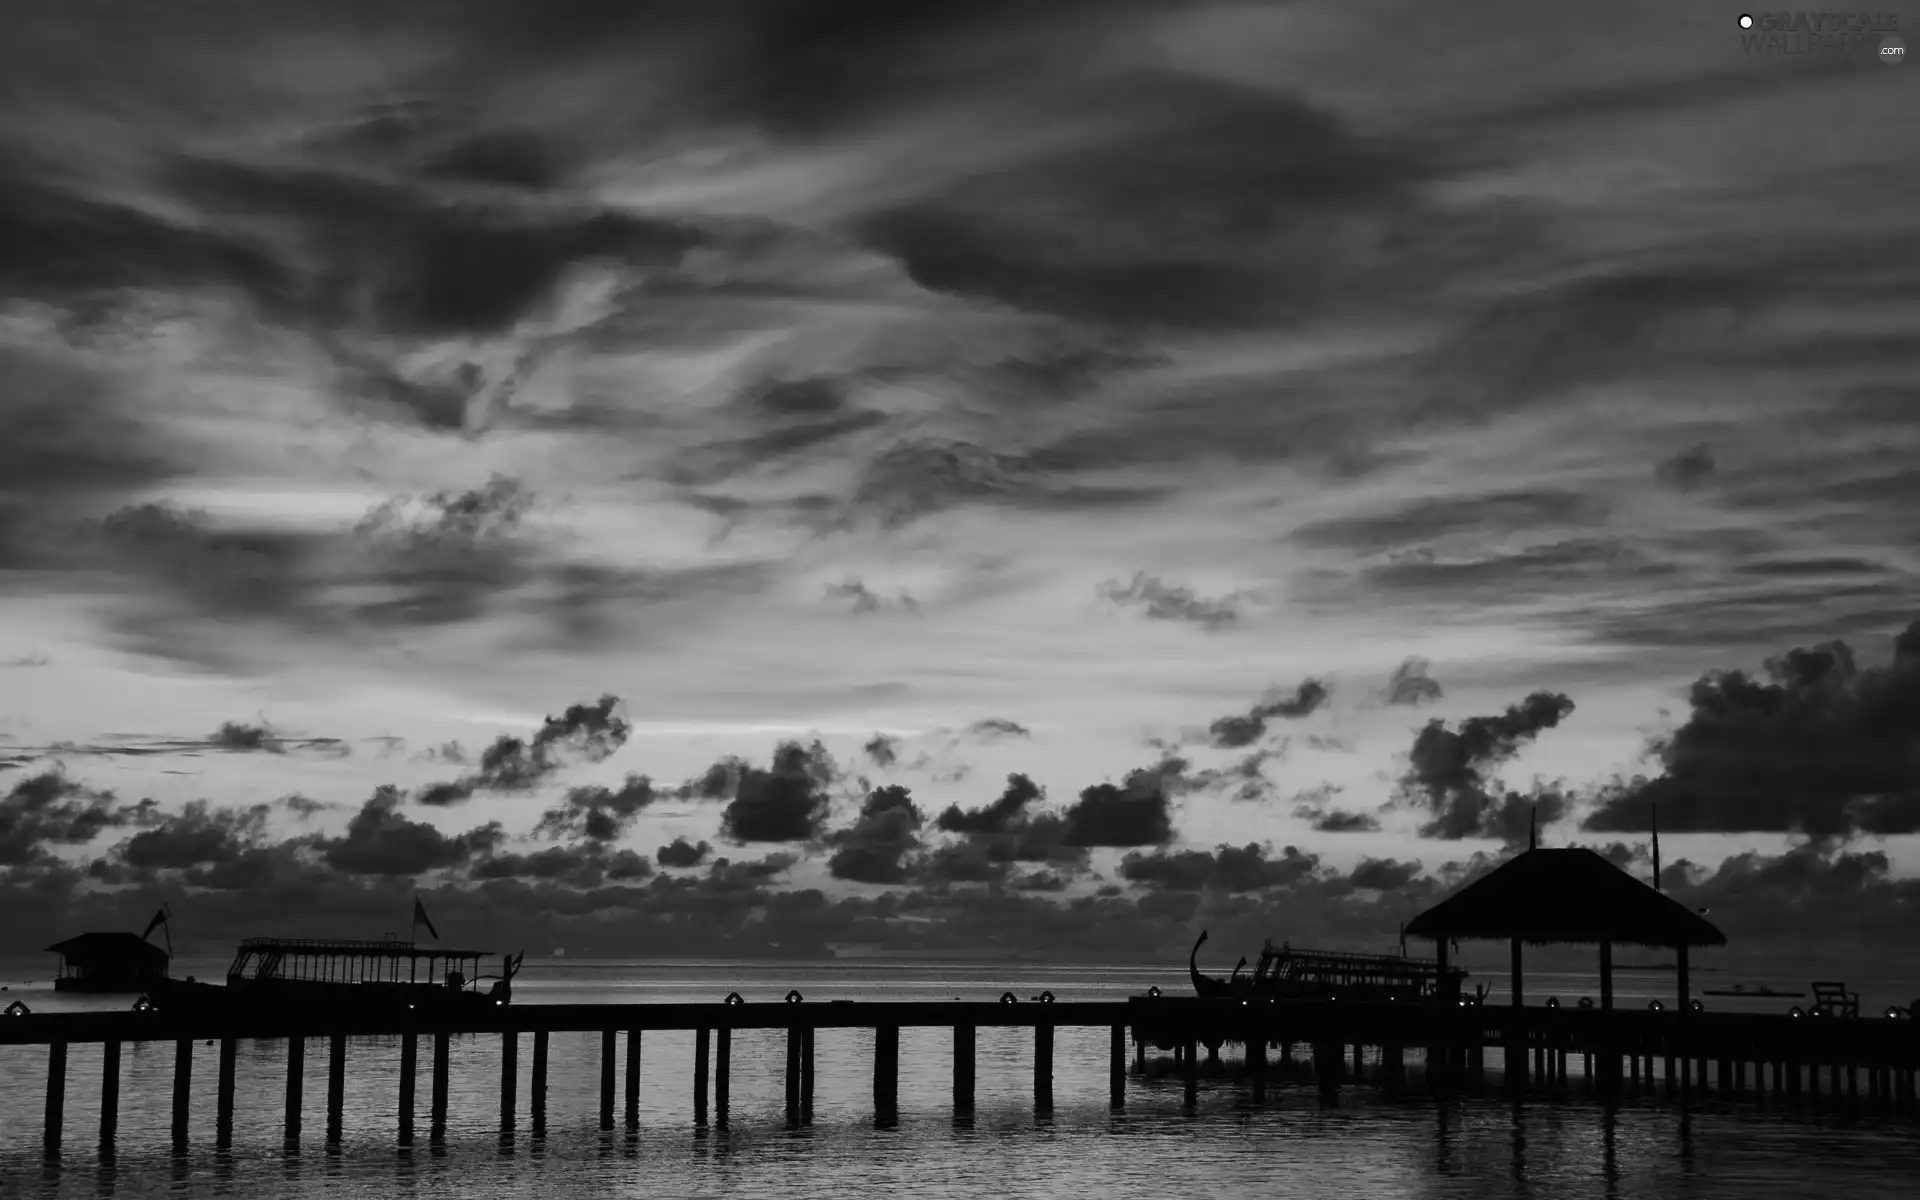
{"x": 1442, "y": 1046}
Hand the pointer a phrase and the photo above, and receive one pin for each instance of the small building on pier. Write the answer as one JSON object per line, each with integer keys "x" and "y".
{"x": 1567, "y": 895}
{"x": 109, "y": 962}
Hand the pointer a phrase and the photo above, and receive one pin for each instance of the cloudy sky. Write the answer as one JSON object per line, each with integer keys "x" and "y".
{"x": 1055, "y": 474}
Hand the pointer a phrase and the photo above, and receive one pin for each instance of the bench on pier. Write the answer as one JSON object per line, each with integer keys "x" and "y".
{"x": 1832, "y": 999}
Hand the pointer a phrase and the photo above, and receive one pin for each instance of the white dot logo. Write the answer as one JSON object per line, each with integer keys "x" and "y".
{"x": 1893, "y": 51}
{"x": 1746, "y": 22}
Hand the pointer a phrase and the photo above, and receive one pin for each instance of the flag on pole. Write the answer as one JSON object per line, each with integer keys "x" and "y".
{"x": 159, "y": 919}
{"x": 420, "y": 918}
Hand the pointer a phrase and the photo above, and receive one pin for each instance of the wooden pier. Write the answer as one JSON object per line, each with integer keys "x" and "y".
{"x": 1679, "y": 1053}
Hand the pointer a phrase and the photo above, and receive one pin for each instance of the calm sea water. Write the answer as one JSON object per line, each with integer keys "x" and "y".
{"x": 1362, "y": 1143}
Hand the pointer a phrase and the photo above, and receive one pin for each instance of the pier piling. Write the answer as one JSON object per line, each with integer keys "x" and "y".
{"x": 806, "y": 1075}
{"x": 56, "y": 1111}
{"x": 722, "y": 1073}
{"x": 793, "y": 1076}
{"x": 409, "y": 1068}
{"x": 223, "y": 1095}
{"x": 537, "y": 1087}
{"x": 182, "y": 1089}
{"x": 509, "y": 1080}
{"x": 437, "y": 1119}
{"x": 296, "y": 1086}
{"x": 963, "y": 1042}
{"x": 634, "y": 1046}
{"x": 608, "y": 1038}
{"x": 109, "y": 1093}
{"x": 1117, "y": 1068}
{"x": 1190, "y": 1054}
{"x": 336, "y": 1085}
{"x": 702, "y": 1052}
{"x": 886, "y": 1074}
{"x": 1043, "y": 1068}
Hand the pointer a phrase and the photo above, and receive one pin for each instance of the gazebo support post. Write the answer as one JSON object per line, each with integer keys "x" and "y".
{"x": 1516, "y": 1050}
{"x": 1610, "y": 1061}
{"x": 1684, "y": 1018}
{"x": 1438, "y": 1054}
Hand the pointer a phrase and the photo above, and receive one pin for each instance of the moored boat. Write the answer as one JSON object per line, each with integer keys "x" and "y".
{"x": 1284, "y": 972}
{"x": 390, "y": 975}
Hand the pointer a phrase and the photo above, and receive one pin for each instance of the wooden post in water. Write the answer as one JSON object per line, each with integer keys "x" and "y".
{"x": 1043, "y": 1069}
{"x": 56, "y": 1110}
{"x": 1117, "y": 1067}
{"x": 336, "y": 1085}
{"x": 182, "y": 1089}
{"x": 509, "y": 1079}
{"x": 1683, "y": 1022}
{"x": 223, "y": 1095}
{"x": 537, "y": 1087}
{"x": 608, "y": 1038}
{"x": 806, "y": 1074}
{"x": 793, "y": 1076}
{"x": 296, "y": 1085}
{"x": 1190, "y": 1056}
{"x": 437, "y": 1119}
{"x": 963, "y": 1041}
{"x": 409, "y": 1068}
{"x": 722, "y": 1073}
{"x": 702, "y": 1066}
{"x": 1516, "y": 1049}
{"x": 109, "y": 1093}
{"x": 886, "y": 1073}
{"x": 634, "y": 1045}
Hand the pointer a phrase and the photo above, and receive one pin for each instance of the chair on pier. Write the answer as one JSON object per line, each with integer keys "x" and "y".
{"x": 1832, "y": 999}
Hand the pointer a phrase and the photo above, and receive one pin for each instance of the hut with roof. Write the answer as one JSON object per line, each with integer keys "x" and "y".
{"x": 1569, "y": 895}
{"x": 108, "y": 962}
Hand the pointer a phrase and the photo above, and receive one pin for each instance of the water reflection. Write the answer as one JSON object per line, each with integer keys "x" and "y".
{"x": 1609, "y": 1150}
{"x": 1518, "y": 1171}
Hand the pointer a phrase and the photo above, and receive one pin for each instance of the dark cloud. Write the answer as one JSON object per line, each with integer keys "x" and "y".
{"x": 1228, "y": 868}
{"x": 49, "y": 809}
{"x": 995, "y": 728}
{"x": 1821, "y": 746}
{"x": 580, "y": 866}
{"x": 682, "y": 853}
{"x": 1162, "y": 602}
{"x": 251, "y": 572}
{"x": 198, "y": 835}
{"x": 1449, "y": 771}
{"x": 1233, "y": 732}
{"x": 380, "y": 840}
{"x": 584, "y": 733}
{"x": 785, "y": 803}
{"x": 1191, "y": 218}
{"x": 1136, "y": 812}
{"x": 1383, "y": 874}
{"x": 1001, "y": 816}
{"x": 1686, "y": 470}
{"x": 1336, "y": 820}
{"x": 875, "y": 848}
{"x": 883, "y": 749}
{"x": 1411, "y": 685}
{"x": 404, "y": 259}
{"x": 599, "y": 814}
{"x": 1244, "y": 779}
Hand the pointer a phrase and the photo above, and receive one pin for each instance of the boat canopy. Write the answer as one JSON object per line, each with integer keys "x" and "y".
{"x": 323, "y": 960}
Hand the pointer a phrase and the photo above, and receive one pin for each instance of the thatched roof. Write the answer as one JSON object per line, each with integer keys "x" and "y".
{"x": 112, "y": 948}
{"x": 1564, "y": 895}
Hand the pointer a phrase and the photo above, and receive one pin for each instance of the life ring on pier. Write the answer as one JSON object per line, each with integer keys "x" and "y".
{"x": 1796, "y": 1012}
{"x": 734, "y": 998}
{"x": 143, "y": 1004}
{"x": 1045, "y": 997}
{"x": 18, "y": 1009}
{"x": 1655, "y": 1006}
{"x": 1008, "y": 998}
{"x": 1153, "y": 993}
{"x": 794, "y": 996}
{"x": 1696, "y": 1006}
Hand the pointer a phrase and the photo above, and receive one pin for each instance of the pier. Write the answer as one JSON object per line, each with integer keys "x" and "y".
{"x": 1682, "y": 1054}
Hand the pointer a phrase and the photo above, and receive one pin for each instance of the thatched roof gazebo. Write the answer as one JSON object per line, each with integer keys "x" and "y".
{"x": 1569, "y": 895}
